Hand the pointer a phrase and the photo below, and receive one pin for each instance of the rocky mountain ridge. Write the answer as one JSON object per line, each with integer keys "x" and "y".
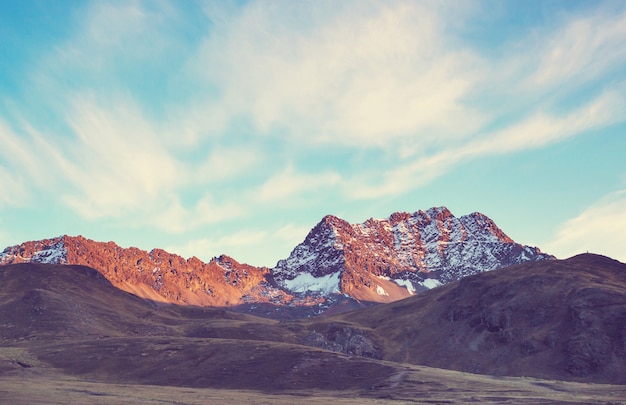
{"x": 338, "y": 264}
{"x": 385, "y": 260}
{"x": 157, "y": 275}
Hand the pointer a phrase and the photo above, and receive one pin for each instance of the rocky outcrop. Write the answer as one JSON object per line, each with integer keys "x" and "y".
{"x": 385, "y": 260}
{"x": 157, "y": 274}
{"x": 343, "y": 338}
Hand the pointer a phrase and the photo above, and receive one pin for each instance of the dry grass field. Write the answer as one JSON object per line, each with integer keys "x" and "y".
{"x": 408, "y": 384}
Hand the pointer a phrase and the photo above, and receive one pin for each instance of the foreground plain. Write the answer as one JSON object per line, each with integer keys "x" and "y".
{"x": 409, "y": 384}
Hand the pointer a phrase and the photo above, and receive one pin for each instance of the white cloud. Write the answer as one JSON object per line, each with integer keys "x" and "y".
{"x": 290, "y": 184}
{"x": 292, "y": 233}
{"x": 601, "y": 229}
{"x": 226, "y": 163}
{"x": 108, "y": 155}
{"x": 542, "y": 129}
{"x": 288, "y": 237}
{"x": 257, "y": 247}
{"x": 536, "y": 131}
{"x": 204, "y": 249}
{"x": 173, "y": 217}
{"x": 364, "y": 74}
{"x": 242, "y": 239}
{"x": 584, "y": 48}
{"x": 231, "y": 244}
{"x": 116, "y": 162}
{"x": 390, "y": 76}
{"x": 12, "y": 189}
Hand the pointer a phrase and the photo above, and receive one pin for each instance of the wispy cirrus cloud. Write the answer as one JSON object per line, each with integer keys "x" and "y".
{"x": 252, "y": 245}
{"x": 223, "y": 163}
{"x": 105, "y": 152}
{"x": 174, "y": 217}
{"x": 549, "y": 85}
{"x": 601, "y": 228}
{"x": 364, "y": 74}
{"x": 534, "y": 132}
{"x": 291, "y": 234}
{"x": 116, "y": 160}
{"x": 289, "y": 184}
{"x": 583, "y": 49}
{"x": 373, "y": 75}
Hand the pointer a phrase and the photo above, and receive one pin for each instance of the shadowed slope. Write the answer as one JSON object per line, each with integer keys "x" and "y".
{"x": 40, "y": 301}
{"x": 72, "y": 320}
{"x": 561, "y": 319}
{"x": 44, "y": 301}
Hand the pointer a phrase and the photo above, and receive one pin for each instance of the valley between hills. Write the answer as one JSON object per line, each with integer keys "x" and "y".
{"x": 416, "y": 308}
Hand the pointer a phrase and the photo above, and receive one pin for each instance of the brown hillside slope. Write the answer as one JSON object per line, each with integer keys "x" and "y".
{"x": 562, "y": 319}
{"x": 61, "y": 302}
{"x": 71, "y": 321}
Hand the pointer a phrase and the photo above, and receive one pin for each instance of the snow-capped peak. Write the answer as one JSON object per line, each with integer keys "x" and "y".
{"x": 403, "y": 247}
{"x": 50, "y": 251}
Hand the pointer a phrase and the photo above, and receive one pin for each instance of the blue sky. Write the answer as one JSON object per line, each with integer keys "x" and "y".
{"x": 234, "y": 127}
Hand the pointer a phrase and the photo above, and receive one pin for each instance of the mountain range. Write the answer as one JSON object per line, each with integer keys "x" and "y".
{"x": 339, "y": 266}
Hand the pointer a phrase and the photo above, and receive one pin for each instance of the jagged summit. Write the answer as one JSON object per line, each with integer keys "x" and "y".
{"x": 379, "y": 260}
{"x": 387, "y": 259}
{"x": 50, "y": 251}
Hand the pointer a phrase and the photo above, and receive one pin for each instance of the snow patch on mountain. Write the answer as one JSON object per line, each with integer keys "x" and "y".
{"x": 423, "y": 249}
{"x": 49, "y": 251}
{"x": 405, "y": 283}
{"x": 430, "y": 283}
{"x": 55, "y": 254}
{"x": 304, "y": 282}
{"x": 381, "y": 291}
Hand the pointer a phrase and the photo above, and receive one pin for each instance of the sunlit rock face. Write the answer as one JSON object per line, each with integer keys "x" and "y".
{"x": 376, "y": 261}
{"x": 157, "y": 274}
{"x": 387, "y": 259}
